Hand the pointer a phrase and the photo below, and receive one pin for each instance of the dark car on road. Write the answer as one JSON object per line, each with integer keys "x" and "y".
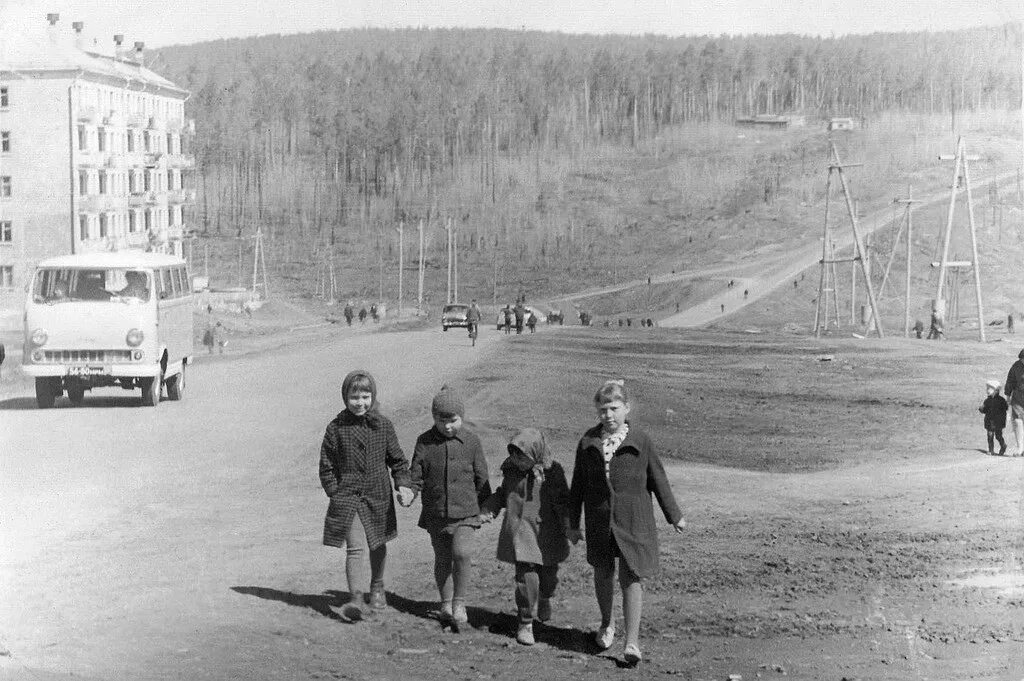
{"x": 454, "y": 315}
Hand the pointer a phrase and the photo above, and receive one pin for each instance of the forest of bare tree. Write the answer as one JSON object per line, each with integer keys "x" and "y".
{"x": 328, "y": 140}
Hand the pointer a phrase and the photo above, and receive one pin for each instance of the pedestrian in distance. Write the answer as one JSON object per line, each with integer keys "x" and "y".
{"x": 1014, "y": 390}
{"x": 650, "y": 323}
{"x": 531, "y": 321}
{"x": 535, "y": 496}
{"x": 520, "y": 313}
{"x": 746, "y": 292}
{"x": 359, "y": 451}
{"x": 349, "y": 313}
{"x": 918, "y": 327}
{"x": 615, "y": 472}
{"x": 620, "y": 321}
{"x": 936, "y": 332}
{"x": 629, "y": 321}
{"x": 1009, "y": 323}
{"x": 374, "y": 313}
{"x": 362, "y": 315}
{"x": 210, "y": 337}
{"x": 3, "y": 354}
{"x": 450, "y": 472}
{"x": 994, "y": 408}
{"x": 507, "y": 313}
{"x": 723, "y": 308}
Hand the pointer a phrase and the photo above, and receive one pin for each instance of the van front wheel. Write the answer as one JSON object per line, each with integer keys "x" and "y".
{"x": 151, "y": 391}
{"x": 46, "y": 391}
{"x": 176, "y": 385}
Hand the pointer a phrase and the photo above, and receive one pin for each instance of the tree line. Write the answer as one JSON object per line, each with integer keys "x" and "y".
{"x": 346, "y": 131}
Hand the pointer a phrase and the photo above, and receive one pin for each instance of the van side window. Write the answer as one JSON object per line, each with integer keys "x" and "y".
{"x": 168, "y": 285}
{"x": 175, "y": 282}
{"x": 186, "y": 282}
{"x": 158, "y": 285}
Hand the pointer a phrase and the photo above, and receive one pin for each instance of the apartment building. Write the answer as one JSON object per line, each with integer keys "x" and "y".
{"x": 94, "y": 151}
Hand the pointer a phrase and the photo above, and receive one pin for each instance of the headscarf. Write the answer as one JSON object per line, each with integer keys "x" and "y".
{"x": 372, "y": 414}
{"x": 535, "y": 454}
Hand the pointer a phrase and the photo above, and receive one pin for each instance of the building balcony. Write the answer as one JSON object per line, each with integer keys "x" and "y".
{"x": 144, "y": 198}
{"x": 181, "y": 196}
{"x": 95, "y": 203}
{"x": 90, "y": 159}
{"x": 180, "y": 161}
{"x": 152, "y": 159}
{"x": 88, "y": 114}
{"x": 113, "y": 118}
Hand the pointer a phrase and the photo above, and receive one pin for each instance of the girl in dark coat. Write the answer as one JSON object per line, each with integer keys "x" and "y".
{"x": 359, "y": 448}
{"x": 994, "y": 408}
{"x": 534, "y": 494}
{"x": 616, "y": 471}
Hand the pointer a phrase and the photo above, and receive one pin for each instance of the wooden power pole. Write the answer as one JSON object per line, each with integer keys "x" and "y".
{"x": 401, "y": 263}
{"x": 961, "y": 178}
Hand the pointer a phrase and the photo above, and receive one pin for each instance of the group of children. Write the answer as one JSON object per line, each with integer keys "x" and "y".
{"x": 616, "y": 470}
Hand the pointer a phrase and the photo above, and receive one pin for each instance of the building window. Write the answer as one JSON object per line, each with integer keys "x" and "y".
{"x": 147, "y": 141}
{"x": 83, "y": 227}
{"x": 83, "y": 139}
{"x": 5, "y": 140}
{"x": 148, "y": 220}
{"x": 5, "y": 186}
{"x": 147, "y": 181}
{"x": 130, "y": 140}
{"x": 132, "y": 222}
{"x": 5, "y": 97}
{"x": 133, "y": 183}
{"x": 7, "y": 276}
{"x": 101, "y": 139}
{"x": 170, "y": 143}
{"x": 6, "y": 232}
{"x": 104, "y": 224}
{"x": 83, "y": 183}
{"x": 170, "y": 179}
{"x": 103, "y": 182}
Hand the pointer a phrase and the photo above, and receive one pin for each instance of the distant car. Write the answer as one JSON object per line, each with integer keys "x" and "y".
{"x": 454, "y": 315}
{"x": 500, "y": 318}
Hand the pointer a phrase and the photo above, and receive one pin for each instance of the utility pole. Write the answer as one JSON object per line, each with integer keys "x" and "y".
{"x": 419, "y": 293}
{"x": 455, "y": 263}
{"x": 448, "y": 234}
{"x": 401, "y": 263}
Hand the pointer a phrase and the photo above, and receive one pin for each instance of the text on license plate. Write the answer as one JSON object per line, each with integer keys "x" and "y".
{"x": 85, "y": 371}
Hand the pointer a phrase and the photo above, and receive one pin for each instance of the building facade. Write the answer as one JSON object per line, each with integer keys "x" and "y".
{"x": 94, "y": 152}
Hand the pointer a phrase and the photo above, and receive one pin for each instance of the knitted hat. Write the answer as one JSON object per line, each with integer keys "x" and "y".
{"x": 994, "y": 384}
{"x": 447, "y": 402}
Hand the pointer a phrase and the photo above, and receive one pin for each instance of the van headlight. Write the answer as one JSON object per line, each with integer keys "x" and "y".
{"x": 39, "y": 337}
{"x": 134, "y": 338}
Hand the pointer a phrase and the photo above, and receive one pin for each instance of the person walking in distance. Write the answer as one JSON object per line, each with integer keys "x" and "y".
{"x": 994, "y": 409}
{"x": 1014, "y": 389}
{"x": 520, "y": 312}
{"x": 349, "y": 313}
{"x": 362, "y": 315}
{"x": 615, "y": 473}
{"x": 1009, "y": 323}
{"x": 359, "y": 450}
{"x": 507, "y": 312}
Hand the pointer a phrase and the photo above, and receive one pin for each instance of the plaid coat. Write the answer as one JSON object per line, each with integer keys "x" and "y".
{"x": 619, "y": 505}
{"x": 354, "y": 460}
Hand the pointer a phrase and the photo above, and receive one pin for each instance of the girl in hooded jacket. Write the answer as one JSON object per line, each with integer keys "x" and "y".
{"x": 535, "y": 495}
{"x": 359, "y": 450}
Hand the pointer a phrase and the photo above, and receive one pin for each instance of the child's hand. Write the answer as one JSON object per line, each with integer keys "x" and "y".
{"x": 680, "y": 525}
{"x": 574, "y": 536}
{"x": 405, "y": 497}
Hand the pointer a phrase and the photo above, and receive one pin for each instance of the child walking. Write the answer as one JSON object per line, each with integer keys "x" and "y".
{"x": 616, "y": 471}
{"x": 994, "y": 408}
{"x": 359, "y": 449}
{"x": 449, "y": 468}
{"x": 535, "y": 495}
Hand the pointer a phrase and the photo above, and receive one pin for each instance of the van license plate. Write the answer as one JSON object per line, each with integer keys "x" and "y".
{"x": 85, "y": 371}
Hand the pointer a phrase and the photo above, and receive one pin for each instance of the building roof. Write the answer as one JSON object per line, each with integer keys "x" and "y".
{"x": 113, "y": 259}
{"x": 26, "y": 47}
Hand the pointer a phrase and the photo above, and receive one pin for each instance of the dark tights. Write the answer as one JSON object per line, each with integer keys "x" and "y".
{"x": 997, "y": 436}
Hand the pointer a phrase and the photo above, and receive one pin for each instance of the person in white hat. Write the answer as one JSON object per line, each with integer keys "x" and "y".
{"x": 994, "y": 409}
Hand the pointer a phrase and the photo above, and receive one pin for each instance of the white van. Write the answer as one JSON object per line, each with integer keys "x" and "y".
{"x": 108, "y": 319}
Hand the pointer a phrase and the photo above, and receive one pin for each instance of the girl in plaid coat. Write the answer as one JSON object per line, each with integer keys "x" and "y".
{"x": 359, "y": 449}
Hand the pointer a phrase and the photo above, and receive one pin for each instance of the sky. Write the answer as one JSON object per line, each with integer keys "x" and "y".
{"x": 167, "y": 22}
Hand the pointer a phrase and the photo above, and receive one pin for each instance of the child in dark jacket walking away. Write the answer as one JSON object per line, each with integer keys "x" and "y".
{"x": 994, "y": 408}
{"x": 616, "y": 471}
{"x": 449, "y": 467}
{"x": 535, "y": 495}
{"x": 359, "y": 449}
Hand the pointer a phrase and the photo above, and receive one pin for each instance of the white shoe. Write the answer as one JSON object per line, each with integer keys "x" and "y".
{"x": 604, "y": 637}
{"x": 525, "y": 634}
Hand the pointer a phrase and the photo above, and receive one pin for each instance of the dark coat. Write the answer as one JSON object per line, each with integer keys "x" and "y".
{"x": 620, "y": 505}
{"x": 354, "y": 460}
{"x": 994, "y": 409}
{"x": 535, "y": 502}
{"x": 1014, "y": 385}
{"x": 451, "y": 474}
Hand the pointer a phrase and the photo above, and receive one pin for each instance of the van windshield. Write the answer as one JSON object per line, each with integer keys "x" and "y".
{"x": 56, "y": 285}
